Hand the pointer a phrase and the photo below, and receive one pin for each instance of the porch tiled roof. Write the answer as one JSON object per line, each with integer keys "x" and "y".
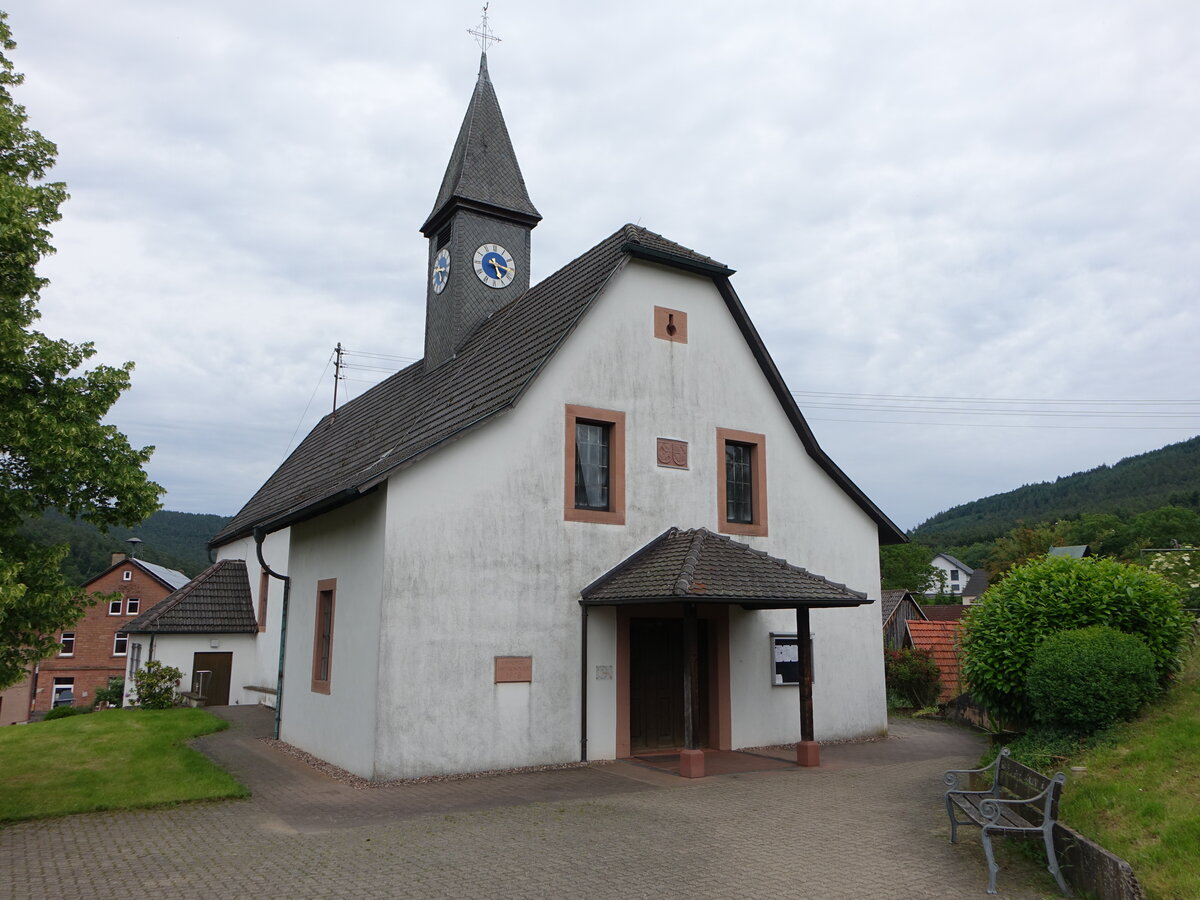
{"x": 941, "y": 639}
{"x": 700, "y": 566}
{"x": 217, "y": 601}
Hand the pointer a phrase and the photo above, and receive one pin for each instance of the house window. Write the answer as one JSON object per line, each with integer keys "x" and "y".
{"x": 114, "y": 607}
{"x": 64, "y": 692}
{"x": 595, "y": 466}
{"x": 120, "y": 643}
{"x": 323, "y": 635}
{"x": 264, "y": 587}
{"x": 127, "y": 575}
{"x": 135, "y": 657}
{"x": 132, "y": 605}
{"x": 68, "y": 643}
{"x": 954, "y": 574}
{"x": 741, "y": 482}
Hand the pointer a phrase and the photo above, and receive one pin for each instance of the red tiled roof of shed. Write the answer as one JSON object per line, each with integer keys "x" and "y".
{"x": 941, "y": 639}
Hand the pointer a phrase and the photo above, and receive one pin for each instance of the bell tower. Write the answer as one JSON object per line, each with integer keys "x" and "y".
{"x": 479, "y": 228}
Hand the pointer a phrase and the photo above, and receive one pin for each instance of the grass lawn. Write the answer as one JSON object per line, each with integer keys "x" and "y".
{"x": 113, "y": 759}
{"x": 1140, "y": 797}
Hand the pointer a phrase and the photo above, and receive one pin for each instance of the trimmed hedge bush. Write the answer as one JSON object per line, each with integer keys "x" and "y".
{"x": 1089, "y": 678}
{"x": 61, "y": 712}
{"x": 913, "y": 676}
{"x": 1054, "y": 594}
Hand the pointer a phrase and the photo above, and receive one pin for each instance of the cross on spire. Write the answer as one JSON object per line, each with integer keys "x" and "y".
{"x": 482, "y": 34}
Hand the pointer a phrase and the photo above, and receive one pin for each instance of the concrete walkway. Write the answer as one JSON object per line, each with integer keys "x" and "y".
{"x": 867, "y": 824}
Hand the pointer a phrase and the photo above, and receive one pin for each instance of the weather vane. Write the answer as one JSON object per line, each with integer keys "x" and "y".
{"x": 483, "y": 35}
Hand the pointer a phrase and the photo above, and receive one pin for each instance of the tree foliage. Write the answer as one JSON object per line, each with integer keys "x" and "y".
{"x": 1053, "y": 594}
{"x": 1169, "y": 476}
{"x": 155, "y": 685}
{"x": 54, "y": 449}
{"x": 908, "y": 567}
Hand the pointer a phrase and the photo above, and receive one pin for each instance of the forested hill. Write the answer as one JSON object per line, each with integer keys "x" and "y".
{"x": 1166, "y": 477}
{"x": 176, "y": 540}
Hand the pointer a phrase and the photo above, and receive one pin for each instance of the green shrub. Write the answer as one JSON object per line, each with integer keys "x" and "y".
{"x": 113, "y": 694}
{"x": 156, "y": 685}
{"x": 912, "y": 676}
{"x": 61, "y": 712}
{"x": 1089, "y": 678}
{"x": 1054, "y": 594}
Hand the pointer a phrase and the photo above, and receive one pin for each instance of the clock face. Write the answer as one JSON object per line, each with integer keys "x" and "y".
{"x": 441, "y": 271}
{"x": 494, "y": 266}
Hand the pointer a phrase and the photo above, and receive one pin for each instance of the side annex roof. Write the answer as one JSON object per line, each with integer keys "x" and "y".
{"x": 217, "y": 601}
{"x": 418, "y": 410}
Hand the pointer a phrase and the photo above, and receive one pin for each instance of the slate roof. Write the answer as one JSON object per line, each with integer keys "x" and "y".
{"x": 700, "y": 566}
{"x": 941, "y": 639}
{"x": 217, "y": 601}
{"x": 162, "y": 573}
{"x": 943, "y": 612}
{"x": 956, "y": 563}
{"x": 889, "y": 600}
{"x": 418, "y": 410}
{"x": 976, "y": 584}
{"x": 483, "y": 168}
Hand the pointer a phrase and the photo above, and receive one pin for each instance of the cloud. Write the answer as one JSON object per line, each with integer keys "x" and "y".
{"x": 975, "y": 201}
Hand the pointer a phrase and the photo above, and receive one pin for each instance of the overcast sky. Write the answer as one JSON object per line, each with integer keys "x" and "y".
{"x": 931, "y": 206}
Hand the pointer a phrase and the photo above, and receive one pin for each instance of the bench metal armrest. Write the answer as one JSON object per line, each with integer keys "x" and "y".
{"x": 951, "y": 779}
{"x": 992, "y": 807}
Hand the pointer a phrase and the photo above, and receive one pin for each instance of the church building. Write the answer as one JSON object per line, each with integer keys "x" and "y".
{"x": 590, "y": 523}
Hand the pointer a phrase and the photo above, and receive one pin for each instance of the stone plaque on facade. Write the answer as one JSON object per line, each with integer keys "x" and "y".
{"x": 672, "y": 454}
{"x": 511, "y": 669}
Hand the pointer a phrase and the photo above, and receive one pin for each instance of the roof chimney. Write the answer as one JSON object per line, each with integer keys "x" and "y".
{"x": 117, "y": 557}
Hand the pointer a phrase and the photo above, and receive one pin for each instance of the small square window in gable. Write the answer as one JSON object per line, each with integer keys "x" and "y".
{"x": 670, "y": 325}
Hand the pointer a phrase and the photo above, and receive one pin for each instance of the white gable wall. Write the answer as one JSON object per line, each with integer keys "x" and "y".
{"x": 178, "y": 649}
{"x": 347, "y": 545}
{"x": 480, "y": 563}
{"x": 265, "y": 652}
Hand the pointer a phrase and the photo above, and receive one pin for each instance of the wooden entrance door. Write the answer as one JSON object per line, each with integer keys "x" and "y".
{"x": 216, "y": 687}
{"x": 656, "y": 684}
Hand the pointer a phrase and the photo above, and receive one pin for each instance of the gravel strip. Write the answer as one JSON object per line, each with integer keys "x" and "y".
{"x": 359, "y": 783}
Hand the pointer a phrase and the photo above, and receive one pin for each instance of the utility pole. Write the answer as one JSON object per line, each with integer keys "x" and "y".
{"x": 337, "y": 373}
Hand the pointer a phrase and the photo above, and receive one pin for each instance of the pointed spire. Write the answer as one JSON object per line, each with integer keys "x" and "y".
{"x": 483, "y": 172}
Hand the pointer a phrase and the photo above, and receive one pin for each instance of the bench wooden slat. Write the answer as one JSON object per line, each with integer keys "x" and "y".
{"x": 1020, "y": 801}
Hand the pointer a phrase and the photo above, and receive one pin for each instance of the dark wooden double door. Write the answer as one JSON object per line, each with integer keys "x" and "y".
{"x": 656, "y": 697}
{"x": 215, "y": 683}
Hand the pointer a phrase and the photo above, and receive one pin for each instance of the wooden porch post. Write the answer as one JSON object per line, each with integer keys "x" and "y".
{"x": 691, "y": 759}
{"x": 807, "y": 751}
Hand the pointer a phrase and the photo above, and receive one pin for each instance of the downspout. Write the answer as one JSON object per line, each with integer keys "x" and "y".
{"x": 583, "y": 689}
{"x": 259, "y": 535}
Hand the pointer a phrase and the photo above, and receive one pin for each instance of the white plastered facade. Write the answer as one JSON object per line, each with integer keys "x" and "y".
{"x": 466, "y": 556}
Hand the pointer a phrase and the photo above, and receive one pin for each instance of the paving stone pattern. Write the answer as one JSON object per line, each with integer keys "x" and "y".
{"x": 868, "y": 823}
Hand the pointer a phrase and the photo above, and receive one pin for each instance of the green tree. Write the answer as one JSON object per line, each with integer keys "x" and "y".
{"x": 54, "y": 451}
{"x": 1021, "y": 544}
{"x": 907, "y": 567}
{"x": 1052, "y": 594}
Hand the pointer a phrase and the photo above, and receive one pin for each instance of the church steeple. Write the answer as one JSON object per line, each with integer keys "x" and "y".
{"x": 478, "y": 229}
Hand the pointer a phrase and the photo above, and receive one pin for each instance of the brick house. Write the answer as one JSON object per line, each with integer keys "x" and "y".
{"x": 95, "y": 648}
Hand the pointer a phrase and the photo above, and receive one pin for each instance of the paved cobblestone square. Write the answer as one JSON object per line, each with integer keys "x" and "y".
{"x": 868, "y": 823}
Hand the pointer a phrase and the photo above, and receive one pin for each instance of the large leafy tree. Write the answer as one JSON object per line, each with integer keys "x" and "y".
{"x": 909, "y": 567}
{"x": 54, "y": 448}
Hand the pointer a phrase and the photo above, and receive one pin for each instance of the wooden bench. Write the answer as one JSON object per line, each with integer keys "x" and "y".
{"x": 1019, "y": 802}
